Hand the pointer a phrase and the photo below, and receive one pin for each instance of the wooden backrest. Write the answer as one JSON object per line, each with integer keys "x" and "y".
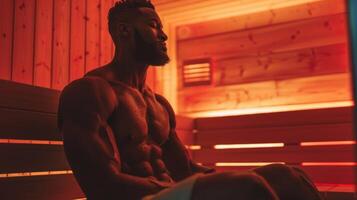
{"x": 33, "y": 164}
{"x": 292, "y": 132}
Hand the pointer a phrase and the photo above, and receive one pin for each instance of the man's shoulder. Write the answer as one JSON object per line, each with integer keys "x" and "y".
{"x": 88, "y": 85}
{"x": 89, "y": 92}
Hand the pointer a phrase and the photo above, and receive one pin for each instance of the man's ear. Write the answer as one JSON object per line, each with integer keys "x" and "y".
{"x": 124, "y": 30}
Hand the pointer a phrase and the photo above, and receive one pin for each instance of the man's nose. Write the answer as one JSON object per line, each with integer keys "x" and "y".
{"x": 162, "y": 36}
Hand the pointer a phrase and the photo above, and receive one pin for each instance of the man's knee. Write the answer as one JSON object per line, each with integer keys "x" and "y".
{"x": 233, "y": 186}
{"x": 289, "y": 182}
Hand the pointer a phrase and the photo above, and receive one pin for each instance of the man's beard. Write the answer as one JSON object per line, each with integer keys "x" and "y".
{"x": 150, "y": 53}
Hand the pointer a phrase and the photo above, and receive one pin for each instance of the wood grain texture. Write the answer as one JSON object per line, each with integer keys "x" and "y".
{"x": 288, "y": 154}
{"x": 305, "y": 90}
{"x": 319, "y": 174}
{"x": 6, "y": 37}
{"x": 57, "y": 187}
{"x": 92, "y": 35}
{"x": 261, "y": 19}
{"x": 22, "y": 69}
{"x": 43, "y": 43}
{"x": 18, "y": 124}
{"x": 277, "y": 134}
{"x": 271, "y": 66}
{"x": 60, "y": 64}
{"x": 106, "y": 47}
{"x": 77, "y": 37}
{"x": 32, "y": 158}
{"x": 280, "y": 119}
{"x": 26, "y": 97}
{"x": 326, "y": 30}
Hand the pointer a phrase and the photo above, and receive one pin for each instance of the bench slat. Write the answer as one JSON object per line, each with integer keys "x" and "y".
{"x": 292, "y": 134}
{"x": 290, "y": 118}
{"x": 32, "y": 158}
{"x": 27, "y": 97}
{"x": 319, "y": 174}
{"x": 20, "y": 124}
{"x": 56, "y": 187}
{"x": 289, "y": 154}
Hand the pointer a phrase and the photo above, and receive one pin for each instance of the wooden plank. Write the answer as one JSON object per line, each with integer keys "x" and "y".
{"x": 43, "y": 43}
{"x": 92, "y": 35}
{"x": 32, "y": 158}
{"x": 290, "y": 118}
{"x": 285, "y": 134}
{"x": 105, "y": 38}
{"x": 25, "y": 97}
{"x": 56, "y": 187}
{"x": 22, "y": 69}
{"x": 18, "y": 124}
{"x": 319, "y": 174}
{"x": 330, "y": 174}
{"x": 6, "y": 31}
{"x": 305, "y": 62}
{"x": 306, "y": 90}
{"x": 288, "y": 154}
{"x": 326, "y": 30}
{"x": 259, "y": 19}
{"x": 60, "y": 73}
{"x": 77, "y": 62}
{"x": 186, "y": 137}
{"x": 184, "y": 123}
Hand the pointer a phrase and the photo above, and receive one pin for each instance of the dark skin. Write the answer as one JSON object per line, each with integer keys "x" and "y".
{"x": 120, "y": 138}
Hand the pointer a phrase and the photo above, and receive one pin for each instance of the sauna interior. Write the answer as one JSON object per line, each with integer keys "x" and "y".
{"x": 252, "y": 82}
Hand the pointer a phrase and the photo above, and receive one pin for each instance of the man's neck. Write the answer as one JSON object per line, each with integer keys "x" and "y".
{"x": 129, "y": 71}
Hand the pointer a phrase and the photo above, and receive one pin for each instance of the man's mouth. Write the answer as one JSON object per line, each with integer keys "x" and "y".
{"x": 163, "y": 46}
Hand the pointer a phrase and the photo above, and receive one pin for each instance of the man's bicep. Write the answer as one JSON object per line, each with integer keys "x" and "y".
{"x": 85, "y": 106}
{"x": 91, "y": 147}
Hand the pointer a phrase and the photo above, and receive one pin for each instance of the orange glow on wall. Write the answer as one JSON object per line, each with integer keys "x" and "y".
{"x": 248, "y": 146}
{"x": 328, "y": 143}
{"x": 329, "y": 164}
{"x": 17, "y": 141}
{"x": 270, "y": 109}
{"x": 42, "y": 173}
{"x": 193, "y": 147}
{"x": 244, "y": 164}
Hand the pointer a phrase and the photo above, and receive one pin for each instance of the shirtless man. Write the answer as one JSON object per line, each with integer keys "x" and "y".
{"x": 120, "y": 139}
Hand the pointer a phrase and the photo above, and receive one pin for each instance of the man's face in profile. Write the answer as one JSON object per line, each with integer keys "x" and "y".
{"x": 150, "y": 46}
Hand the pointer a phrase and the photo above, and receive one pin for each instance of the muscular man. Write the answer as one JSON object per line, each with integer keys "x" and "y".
{"x": 120, "y": 139}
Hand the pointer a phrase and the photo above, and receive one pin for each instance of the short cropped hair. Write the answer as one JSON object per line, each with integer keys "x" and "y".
{"x": 116, "y": 12}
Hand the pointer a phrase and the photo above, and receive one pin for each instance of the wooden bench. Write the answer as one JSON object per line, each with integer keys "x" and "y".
{"x": 299, "y": 138}
{"x": 33, "y": 164}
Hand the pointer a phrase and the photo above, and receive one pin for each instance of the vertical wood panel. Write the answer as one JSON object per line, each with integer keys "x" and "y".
{"x": 77, "y": 39}
{"x": 22, "y": 70}
{"x": 105, "y": 39}
{"x": 93, "y": 37}
{"x": 43, "y": 43}
{"x": 60, "y": 72}
{"x": 6, "y": 31}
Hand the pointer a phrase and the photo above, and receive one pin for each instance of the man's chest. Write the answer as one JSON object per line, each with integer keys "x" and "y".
{"x": 139, "y": 118}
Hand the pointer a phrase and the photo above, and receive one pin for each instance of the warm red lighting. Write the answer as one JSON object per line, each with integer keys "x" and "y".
{"x": 193, "y": 147}
{"x": 16, "y": 141}
{"x": 328, "y": 143}
{"x": 244, "y": 164}
{"x": 43, "y": 173}
{"x": 271, "y": 109}
{"x": 248, "y": 146}
{"x": 329, "y": 164}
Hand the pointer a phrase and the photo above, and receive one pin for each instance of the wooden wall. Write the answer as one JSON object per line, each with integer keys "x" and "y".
{"x": 49, "y": 43}
{"x": 284, "y": 56}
